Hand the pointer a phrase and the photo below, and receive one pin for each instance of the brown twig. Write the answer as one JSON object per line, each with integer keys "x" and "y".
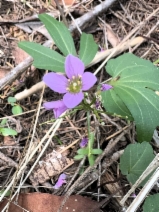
{"x": 61, "y": 12}
{"x": 150, "y": 39}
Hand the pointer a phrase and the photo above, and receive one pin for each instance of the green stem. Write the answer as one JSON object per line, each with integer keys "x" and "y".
{"x": 89, "y": 135}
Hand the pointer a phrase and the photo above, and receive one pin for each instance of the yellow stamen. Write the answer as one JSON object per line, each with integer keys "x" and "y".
{"x": 79, "y": 82}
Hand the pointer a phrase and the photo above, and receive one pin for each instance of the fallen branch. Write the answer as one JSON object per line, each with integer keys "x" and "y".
{"x": 28, "y": 92}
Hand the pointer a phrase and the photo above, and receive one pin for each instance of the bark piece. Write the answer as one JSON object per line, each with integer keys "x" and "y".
{"x": 53, "y": 164}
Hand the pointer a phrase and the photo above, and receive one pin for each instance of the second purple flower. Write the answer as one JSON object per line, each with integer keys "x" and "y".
{"x": 72, "y": 87}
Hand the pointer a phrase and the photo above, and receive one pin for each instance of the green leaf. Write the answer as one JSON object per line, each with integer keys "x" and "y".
{"x": 78, "y": 157}
{"x": 16, "y": 110}
{"x": 91, "y": 160}
{"x": 88, "y": 48}
{"x": 135, "y": 159}
{"x": 3, "y": 122}
{"x": 7, "y": 131}
{"x": 115, "y": 105}
{"x": 134, "y": 81}
{"x": 11, "y": 99}
{"x": 44, "y": 58}
{"x": 96, "y": 151}
{"x": 83, "y": 151}
{"x": 151, "y": 203}
{"x": 60, "y": 34}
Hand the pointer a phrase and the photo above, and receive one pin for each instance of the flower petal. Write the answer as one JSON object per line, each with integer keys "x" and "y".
{"x": 62, "y": 177}
{"x": 88, "y": 80}
{"x": 53, "y": 104}
{"x": 72, "y": 100}
{"x": 59, "y": 111}
{"x": 84, "y": 142}
{"x": 60, "y": 181}
{"x": 56, "y": 82}
{"x": 57, "y": 106}
{"x": 73, "y": 66}
{"x": 105, "y": 87}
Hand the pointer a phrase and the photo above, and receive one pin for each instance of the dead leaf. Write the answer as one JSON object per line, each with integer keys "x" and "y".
{"x": 111, "y": 36}
{"x": 18, "y": 33}
{"x": 8, "y": 141}
{"x": 52, "y": 165}
{"x": 4, "y": 71}
{"x": 42, "y": 202}
{"x": 19, "y": 55}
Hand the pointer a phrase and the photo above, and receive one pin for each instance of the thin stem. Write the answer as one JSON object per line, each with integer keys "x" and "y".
{"x": 88, "y": 122}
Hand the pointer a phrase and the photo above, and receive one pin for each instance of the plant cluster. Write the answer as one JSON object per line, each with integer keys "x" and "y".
{"x": 131, "y": 93}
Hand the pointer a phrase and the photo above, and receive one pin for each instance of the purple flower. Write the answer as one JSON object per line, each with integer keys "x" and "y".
{"x": 105, "y": 87}
{"x": 60, "y": 182}
{"x": 72, "y": 86}
{"x": 58, "y": 107}
{"x": 84, "y": 142}
{"x": 97, "y": 104}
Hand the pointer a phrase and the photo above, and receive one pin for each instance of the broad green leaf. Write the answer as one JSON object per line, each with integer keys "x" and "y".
{"x": 83, "y": 151}
{"x": 11, "y": 99}
{"x": 3, "y": 122}
{"x": 151, "y": 203}
{"x": 88, "y": 48}
{"x": 60, "y": 34}
{"x": 79, "y": 157}
{"x": 44, "y": 58}
{"x": 135, "y": 159}
{"x": 91, "y": 160}
{"x": 134, "y": 81}
{"x": 16, "y": 110}
{"x": 7, "y": 131}
{"x": 156, "y": 62}
{"x": 96, "y": 151}
{"x": 113, "y": 104}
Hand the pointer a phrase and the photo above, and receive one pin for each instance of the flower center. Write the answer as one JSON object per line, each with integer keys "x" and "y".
{"x": 74, "y": 84}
